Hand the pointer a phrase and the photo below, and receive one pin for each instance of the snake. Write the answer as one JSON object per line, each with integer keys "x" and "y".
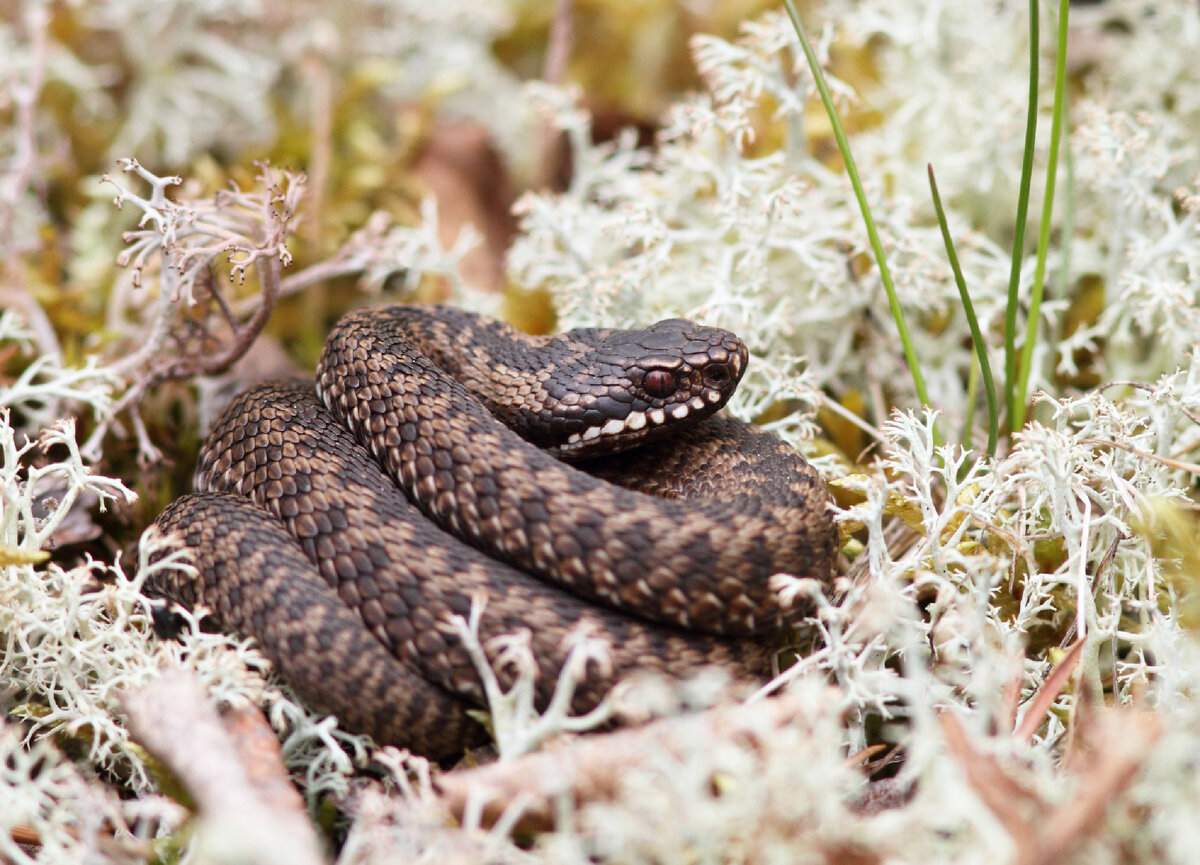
{"x": 583, "y": 485}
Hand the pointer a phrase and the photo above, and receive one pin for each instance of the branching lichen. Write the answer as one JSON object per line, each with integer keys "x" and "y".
{"x": 516, "y": 725}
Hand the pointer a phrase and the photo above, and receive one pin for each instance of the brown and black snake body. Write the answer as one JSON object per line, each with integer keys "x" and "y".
{"x": 313, "y": 523}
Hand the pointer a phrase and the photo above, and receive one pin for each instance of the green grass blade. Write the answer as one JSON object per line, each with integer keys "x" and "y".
{"x": 1014, "y": 279}
{"x": 989, "y": 387}
{"x": 839, "y": 133}
{"x": 1056, "y": 124}
{"x": 968, "y": 425}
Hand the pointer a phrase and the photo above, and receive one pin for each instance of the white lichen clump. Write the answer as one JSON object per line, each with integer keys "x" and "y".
{"x": 1008, "y": 625}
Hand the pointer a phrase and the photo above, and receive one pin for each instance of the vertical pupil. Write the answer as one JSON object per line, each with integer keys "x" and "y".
{"x": 659, "y": 383}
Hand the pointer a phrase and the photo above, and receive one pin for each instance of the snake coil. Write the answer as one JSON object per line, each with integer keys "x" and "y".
{"x": 343, "y": 528}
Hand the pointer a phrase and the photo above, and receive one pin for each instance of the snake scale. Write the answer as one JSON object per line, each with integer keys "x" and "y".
{"x": 343, "y": 527}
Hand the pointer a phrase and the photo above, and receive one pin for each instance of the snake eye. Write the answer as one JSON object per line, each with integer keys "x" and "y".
{"x": 659, "y": 383}
{"x": 717, "y": 376}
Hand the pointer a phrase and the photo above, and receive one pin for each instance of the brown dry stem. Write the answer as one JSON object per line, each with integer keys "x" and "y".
{"x": 230, "y": 767}
{"x": 592, "y": 768}
{"x": 558, "y": 56}
{"x": 1117, "y": 743}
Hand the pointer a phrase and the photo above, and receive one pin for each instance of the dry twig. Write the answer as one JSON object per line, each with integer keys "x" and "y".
{"x": 592, "y": 768}
{"x": 1118, "y": 742}
{"x": 247, "y": 809}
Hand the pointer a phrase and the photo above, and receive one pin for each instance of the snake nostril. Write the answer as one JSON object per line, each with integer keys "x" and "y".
{"x": 659, "y": 383}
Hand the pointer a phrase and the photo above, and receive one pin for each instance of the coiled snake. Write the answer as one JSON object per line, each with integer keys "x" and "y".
{"x": 320, "y": 519}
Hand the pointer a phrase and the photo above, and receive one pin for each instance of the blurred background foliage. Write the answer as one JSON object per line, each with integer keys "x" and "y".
{"x": 204, "y": 89}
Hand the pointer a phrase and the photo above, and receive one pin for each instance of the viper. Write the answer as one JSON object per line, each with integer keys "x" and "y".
{"x": 581, "y": 483}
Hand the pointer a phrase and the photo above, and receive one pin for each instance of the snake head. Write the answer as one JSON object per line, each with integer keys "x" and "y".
{"x": 635, "y": 386}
